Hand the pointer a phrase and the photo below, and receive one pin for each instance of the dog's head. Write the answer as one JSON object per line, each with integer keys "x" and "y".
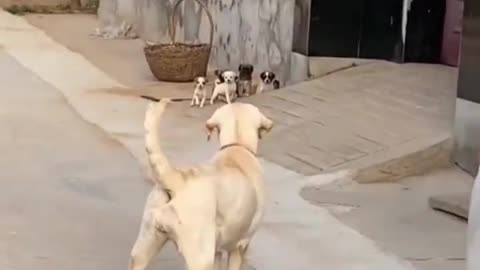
{"x": 267, "y": 77}
{"x": 239, "y": 123}
{"x": 229, "y": 76}
{"x": 245, "y": 71}
{"x": 200, "y": 82}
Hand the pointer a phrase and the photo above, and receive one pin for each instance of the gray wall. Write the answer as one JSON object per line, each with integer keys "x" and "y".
{"x": 467, "y": 118}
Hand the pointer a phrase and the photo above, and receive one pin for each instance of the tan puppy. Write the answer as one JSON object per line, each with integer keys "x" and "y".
{"x": 211, "y": 208}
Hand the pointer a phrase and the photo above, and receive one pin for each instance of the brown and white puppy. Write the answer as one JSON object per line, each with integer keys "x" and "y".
{"x": 200, "y": 92}
{"x": 213, "y": 208}
{"x": 267, "y": 82}
{"x": 227, "y": 88}
{"x": 244, "y": 87}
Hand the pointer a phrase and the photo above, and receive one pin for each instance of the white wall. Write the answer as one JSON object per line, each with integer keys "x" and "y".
{"x": 467, "y": 135}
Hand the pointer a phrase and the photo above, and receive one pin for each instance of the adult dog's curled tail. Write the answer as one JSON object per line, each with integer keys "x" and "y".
{"x": 164, "y": 173}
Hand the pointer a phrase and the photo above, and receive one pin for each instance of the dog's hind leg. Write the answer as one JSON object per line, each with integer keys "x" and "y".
{"x": 149, "y": 242}
{"x": 236, "y": 257}
{"x": 198, "y": 247}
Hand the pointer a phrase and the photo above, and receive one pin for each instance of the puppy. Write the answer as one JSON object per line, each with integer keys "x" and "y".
{"x": 227, "y": 88}
{"x": 210, "y": 209}
{"x": 267, "y": 82}
{"x": 244, "y": 87}
{"x": 200, "y": 92}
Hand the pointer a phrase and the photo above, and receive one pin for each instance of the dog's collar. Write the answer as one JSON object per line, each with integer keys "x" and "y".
{"x": 240, "y": 145}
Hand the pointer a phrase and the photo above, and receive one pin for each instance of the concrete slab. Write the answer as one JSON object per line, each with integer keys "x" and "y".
{"x": 397, "y": 216}
{"x": 456, "y": 204}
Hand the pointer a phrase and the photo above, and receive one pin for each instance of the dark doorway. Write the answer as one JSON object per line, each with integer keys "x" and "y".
{"x": 381, "y": 33}
{"x": 335, "y": 28}
{"x": 425, "y": 31}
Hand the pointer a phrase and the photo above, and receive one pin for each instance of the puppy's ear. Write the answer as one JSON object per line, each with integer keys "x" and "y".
{"x": 240, "y": 67}
{"x": 265, "y": 126}
{"x": 236, "y": 77}
{"x": 273, "y": 76}
{"x": 263, "y": 75}
{"x": 195, "y": 81}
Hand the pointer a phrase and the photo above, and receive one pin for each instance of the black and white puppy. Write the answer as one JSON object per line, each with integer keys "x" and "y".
{"x": 244, "y": 87}
{"x": 200, "y": 92}
{"x": 268, "y": 82}
{"x": 227, "y": 88}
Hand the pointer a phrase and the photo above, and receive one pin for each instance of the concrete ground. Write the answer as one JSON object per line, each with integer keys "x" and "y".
{"x": 71, "y": 196}
{"x": 350, "y": 107}
{"x": 398, "y": 217}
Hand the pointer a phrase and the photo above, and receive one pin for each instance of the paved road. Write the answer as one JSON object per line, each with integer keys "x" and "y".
{"x": 70, "y": 197}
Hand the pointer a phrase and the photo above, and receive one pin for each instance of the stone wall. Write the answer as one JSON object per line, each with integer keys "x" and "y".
{"x": 259, "y": 32}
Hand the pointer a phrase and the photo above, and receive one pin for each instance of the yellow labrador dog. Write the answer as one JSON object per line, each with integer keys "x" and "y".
{"x": 210, "y": 209}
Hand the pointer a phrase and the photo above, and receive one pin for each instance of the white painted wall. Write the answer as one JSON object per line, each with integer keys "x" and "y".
{"x": 467, "y": 135}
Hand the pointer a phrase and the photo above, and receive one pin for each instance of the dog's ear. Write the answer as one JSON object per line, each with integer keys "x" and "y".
{"x": 263, "y": 75}
{"x": 273, "y": 76}
{"x": 240, "y": 67}
{"x": 236, "y": 77}
{"x": 195, "y": 81}
{"x": 265, "y": 126}
{"x": 211, "y": 125}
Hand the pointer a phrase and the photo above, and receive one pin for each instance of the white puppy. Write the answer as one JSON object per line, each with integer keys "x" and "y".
{"x": 228, "y": 88}
{"x": 200, "y": 92}
{"x": 213, "y": 208}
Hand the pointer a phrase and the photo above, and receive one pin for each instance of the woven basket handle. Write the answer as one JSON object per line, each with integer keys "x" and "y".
{"x": 174, "y": 28}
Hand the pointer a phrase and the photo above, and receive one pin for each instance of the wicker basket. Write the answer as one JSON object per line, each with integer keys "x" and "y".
{"x": 179, "y": 62}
